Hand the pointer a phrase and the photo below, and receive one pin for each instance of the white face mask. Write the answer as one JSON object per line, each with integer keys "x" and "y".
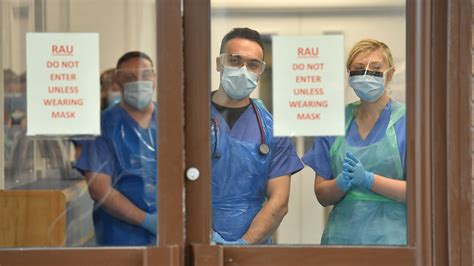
{"x": 138, "y": 93}
{"x": 238, "y": 83}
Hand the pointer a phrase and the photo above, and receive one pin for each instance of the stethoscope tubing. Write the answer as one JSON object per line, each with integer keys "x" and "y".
{"x": 263, "y": 147}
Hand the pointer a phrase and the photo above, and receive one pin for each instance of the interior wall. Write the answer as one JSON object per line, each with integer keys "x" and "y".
{"x": 18, "y": 18}
{"x": 382, "y": 20}
{"x": 123, "y": 25}
{"x": 387, "y": 26}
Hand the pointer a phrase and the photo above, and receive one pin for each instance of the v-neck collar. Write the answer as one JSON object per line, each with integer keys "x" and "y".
{"x": 380, "y": 119}
{"x": 137, "y": 125}
{"x": 237, "y": 123}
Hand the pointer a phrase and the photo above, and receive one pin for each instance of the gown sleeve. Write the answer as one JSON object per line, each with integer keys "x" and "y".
{"x": 95, "y": 157}
{"x": 318, "y": 157}
{"x": 285, "y": 160}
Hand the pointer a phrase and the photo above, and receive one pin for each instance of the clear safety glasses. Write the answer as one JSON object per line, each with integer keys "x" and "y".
{"x": 371, "y": 66}
{"x": 238, "y": 60}
{"x": 376, "y": 69}
{"x": 130, "y": 75}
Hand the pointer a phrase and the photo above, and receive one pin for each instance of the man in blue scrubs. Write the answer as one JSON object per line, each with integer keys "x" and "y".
{"x": 251, "y": 169}
{"x": 120, "y": 165}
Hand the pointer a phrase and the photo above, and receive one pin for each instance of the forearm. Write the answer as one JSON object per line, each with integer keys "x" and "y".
{"x": 265, "y": 222}
{"x": 270, "y": 216}
{"x": 111, "y": 200}
{"x": 120, "y": 207}
{"x": 327, "y": 191}
{"x": 391, "y": 188}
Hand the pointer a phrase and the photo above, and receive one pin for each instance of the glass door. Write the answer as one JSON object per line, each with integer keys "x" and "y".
{"x": 411, "y": 64}
{"x": 182, "y": 40}
{"x": 85, "y": 86}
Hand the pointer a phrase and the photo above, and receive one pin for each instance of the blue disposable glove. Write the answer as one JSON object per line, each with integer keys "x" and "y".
{"x": 217, "y": 238}
{"x": 355, "y": 170}
{"x": 343, "y": 182}
{"x": 149, "y": 223}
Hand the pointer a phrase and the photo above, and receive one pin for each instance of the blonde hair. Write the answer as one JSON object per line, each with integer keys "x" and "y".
{"x": 369, "y": 45}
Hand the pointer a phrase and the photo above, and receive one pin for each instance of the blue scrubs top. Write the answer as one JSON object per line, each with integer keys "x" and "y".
{"x": 285, "y": 161}
{"x": 318, "y": 156}
{"x": 240, "y": 173}
{"x": 127, "y": 153}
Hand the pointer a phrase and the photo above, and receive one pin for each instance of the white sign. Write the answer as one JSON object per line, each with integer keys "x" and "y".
{"x": 63, "y": 87}
{"x": 308, "y": 85}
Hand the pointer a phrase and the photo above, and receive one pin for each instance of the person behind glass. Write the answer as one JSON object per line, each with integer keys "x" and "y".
{"x": 120, "y": 165}
{"x": 363, "y": 173}
{"x": 251, "y": 169}
{"x": 109, "y": 96}
{"x": 109, "y": 89}
{"x": 14, "y": 110}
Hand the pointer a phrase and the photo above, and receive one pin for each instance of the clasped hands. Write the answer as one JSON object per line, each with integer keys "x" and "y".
{"x": 354, "y": 174}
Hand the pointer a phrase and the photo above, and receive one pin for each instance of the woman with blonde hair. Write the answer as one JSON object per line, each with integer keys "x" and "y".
{"x": 363, "y": 173}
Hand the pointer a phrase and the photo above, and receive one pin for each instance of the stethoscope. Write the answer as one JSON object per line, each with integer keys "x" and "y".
{"x": 263, "y": 148}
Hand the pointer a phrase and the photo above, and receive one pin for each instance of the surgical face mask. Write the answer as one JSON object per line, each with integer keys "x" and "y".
{"x": 113, "y": 98}
{"x": 138, "y": 93}
{"x": 368, "y": 85}
{"x": 238, "y": 83}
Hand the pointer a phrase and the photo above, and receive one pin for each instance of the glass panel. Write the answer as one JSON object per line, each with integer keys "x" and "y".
{"x": 80, "y": 134}
{"x": 309, "y": 90}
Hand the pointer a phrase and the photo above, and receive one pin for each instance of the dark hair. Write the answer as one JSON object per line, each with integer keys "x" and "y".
{"x": 133, "y": 54}
{"x": 242, "y": 33}
{"x": 9, "y": 76}
{"x": 107, "y": 77}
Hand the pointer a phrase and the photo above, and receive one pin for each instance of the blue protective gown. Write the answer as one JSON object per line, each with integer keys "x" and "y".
{"x": 127, "y": 153}
{"x": 365, "y": 217}
{"x": 240, "y": 173}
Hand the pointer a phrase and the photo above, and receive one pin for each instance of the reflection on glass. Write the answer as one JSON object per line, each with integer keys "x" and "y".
{"x": 120, "y": 165}
{"x": 363, "y": 173}
{"x": 307, "y": 218}
{"x": 82, "y": 190}
{"x": 251, "y": 169}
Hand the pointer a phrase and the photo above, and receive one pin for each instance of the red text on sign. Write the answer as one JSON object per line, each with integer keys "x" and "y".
{"x": 308, "y": 91}
{"x": 62, "y": 49}
{"x": 316, "y": 66}
{"x": 63, "y": 102}
{"x": 64, "y": 115}
{"x": 63, "y": 89}
{"x": 308, "y": 116}
{"x": 62, "y": 77}
{"x": 308, "y": 104}
{"x": 308, "y": 52}
{"x": 63, "y": 64}
{"x": 308, "y": 79}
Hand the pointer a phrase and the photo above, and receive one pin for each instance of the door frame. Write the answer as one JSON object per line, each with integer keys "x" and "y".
{"x": 170, "y": 250}
{"x": 438, "y": 137}
{"x": 438, "y": 134}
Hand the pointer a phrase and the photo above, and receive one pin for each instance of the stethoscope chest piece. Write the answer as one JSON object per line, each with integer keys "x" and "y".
{"x": 264, "y": 149}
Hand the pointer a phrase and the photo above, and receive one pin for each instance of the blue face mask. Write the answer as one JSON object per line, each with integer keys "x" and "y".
{"x": 238, "y": 83}
{"x": 138, "y": 94}
{"x": 113, "y": 98}
{"x": 368, "y": 87}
